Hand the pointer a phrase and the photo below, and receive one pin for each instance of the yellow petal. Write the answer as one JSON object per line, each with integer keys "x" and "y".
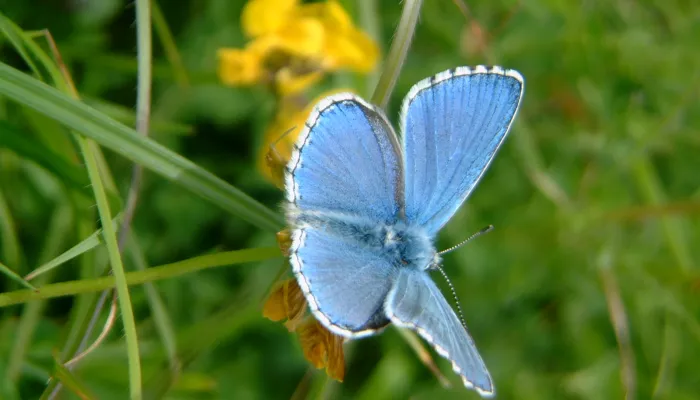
{"x": 336, "y": 357}
{"x": 345, "y": 46}
{"x": 239, "y": 67}
{"x": 261, "y": 17}
{"x": 301, "y": 37}
{"x": 330, "y": 13}
{"x": 284, "y": 240}
{"x": 295, "y": 304}
{"x": 312, "y": 343}
{"x": 354, "y": 50}
{"x": 274, "y": 309}
{"x": 286, "y": 301}
{"x": 290, "y": 83}
{"x": 322, "y": 348}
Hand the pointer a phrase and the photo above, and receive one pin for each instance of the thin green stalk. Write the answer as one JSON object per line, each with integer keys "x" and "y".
{"x": 369, "y": 20}
{"x": 668, "y": 358}
{"x": 169, "y": 47}
{"x": 143, "y": 107}
{"x": 64, "y": 375}
{"x": 32, "y": 312}
{"x": 4, "y": 269}
{"x": 651, "y": 189}
{"x": 201, "y": 336}
{"x": 163, "y": 323}
{"x": 397, "y": 54}
{"x": 84, "y": 246}
{"x": 127, "y": 313}
{"x": 9, "y": 241}
{"x": 534, "y": 165}
{"x": 139, "y": 277}
{"x": 82, "y": 304}
{"x": 14, "y": 35}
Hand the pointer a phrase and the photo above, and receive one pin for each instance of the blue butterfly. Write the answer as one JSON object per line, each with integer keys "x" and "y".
{"x": 365, "y": 208}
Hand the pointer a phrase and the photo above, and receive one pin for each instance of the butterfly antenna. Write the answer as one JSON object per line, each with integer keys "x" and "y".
{"x": 454, "y": 294}
{"x": 273, "y": 145}
{"x": 458, "y": 245}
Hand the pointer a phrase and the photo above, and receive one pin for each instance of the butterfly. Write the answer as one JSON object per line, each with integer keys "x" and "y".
{"x": 365, "y": 207}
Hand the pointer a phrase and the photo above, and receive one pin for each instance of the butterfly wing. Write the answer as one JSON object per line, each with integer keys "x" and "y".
{"x": 453, "y": 124}
{"x": 345, "y": 171}
{"x": 347, "y": 161}
{"x": 345, "y": 282}
{"x": 415, "y": 302}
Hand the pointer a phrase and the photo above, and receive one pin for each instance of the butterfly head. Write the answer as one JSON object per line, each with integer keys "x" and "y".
{"x": 409, "y": 246}
{"x": 436, "y": 261}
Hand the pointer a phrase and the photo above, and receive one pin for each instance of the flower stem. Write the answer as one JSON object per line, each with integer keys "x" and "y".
{"x": 397, "y": 53}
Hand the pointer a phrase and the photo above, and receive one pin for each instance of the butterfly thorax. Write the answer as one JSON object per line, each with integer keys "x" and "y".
{"x": 404, "y": 245}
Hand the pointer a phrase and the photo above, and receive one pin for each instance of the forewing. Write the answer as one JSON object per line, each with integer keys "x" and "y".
{"x": 452, "y": 126}
{"x": 345, "y": 283}
{"x": 415, "y": 302}
{"x": 347, "y": 161}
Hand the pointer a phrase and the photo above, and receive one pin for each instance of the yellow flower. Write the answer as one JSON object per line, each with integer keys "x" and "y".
{"x": 321, "y": 348}
{"x": 282, "y": 134}
{"x": 293, "y": 45}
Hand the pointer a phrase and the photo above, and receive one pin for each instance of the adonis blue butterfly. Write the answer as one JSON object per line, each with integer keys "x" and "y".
{"x": 366, "y": 206}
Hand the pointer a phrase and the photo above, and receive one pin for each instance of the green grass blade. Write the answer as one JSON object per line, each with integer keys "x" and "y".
{"x": 201, "y": 336}
{"x": 163, "y": 322}
{"x": 15, "y": 277}
{"x": 139, "y": 277}
{"x": 85, "y": 245}
{"x": 370, "y": 18}
{"x": 15, "y": 35}
{"x": 83, "y": 304}
{"x": 675, "y": 236}
{"x": 126, "y": 116}
{"x": 9, "y": 241}
{"x": 69, "y": 380}
{"x": 23, "y": 145}
{"x": 127, "y": 142}
{"x": 115, "y": 260}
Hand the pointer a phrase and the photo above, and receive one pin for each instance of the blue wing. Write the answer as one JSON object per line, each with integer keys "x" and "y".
{"x": 344, "y": 282}
{"x": 347, "y": 161}
{"x": 452, "y": 125}
{"x": 415, "y": 302}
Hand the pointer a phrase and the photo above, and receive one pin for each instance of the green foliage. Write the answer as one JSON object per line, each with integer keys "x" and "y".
{"x": 587, "y": 288}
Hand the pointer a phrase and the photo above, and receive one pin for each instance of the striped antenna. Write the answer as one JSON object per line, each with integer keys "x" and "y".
{"x": 458, "y": 245}
{"x": 454, "y": 294}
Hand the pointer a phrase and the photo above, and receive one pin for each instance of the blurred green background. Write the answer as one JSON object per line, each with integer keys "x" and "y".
{"x": 587, "y": 289}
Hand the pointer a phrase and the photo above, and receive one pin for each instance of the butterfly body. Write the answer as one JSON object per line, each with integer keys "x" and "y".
{"x": 404, "y": 245}
{"x": 365, "y": 208}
